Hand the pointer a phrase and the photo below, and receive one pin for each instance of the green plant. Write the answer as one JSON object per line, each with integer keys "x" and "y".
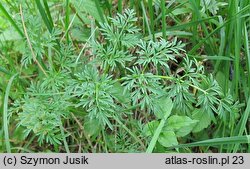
{"x": 146, "y": 71}
{"x": 124, "y": 83}
{"x": 40, "y": 112}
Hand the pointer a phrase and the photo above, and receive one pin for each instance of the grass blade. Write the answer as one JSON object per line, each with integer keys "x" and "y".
{"x": 7, "y": 15}
{"x": 44, "y": 16}
{"x": 247, "y": 52}
{"x": 197, "y": 15}
{"x": 146, "y": 19}
{"x": 243, "y": 123}
{"x": 46, "y": 7}
{"x": 151, "y": 16}
{"x": 101, "y": 14}
{"x": 189, "y": 24}
{"x": 120, "y": 6}
{"x": 218, "y": 28}
{"x": 237, "y": 41}
{"x": 163, "y": 15}
{"x": 67, "y": 20}
{"x": 5, "y": 114}
{"x": 217, "y": 141}
{"x": 159, "y": 129}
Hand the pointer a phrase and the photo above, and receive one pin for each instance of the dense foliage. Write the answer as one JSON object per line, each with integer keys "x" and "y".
{"x": 125, "y": 76}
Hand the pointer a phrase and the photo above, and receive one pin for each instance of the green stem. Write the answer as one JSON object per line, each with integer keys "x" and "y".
{"x": 182, "y": 81}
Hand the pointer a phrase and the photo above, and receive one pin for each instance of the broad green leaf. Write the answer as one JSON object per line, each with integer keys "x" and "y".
{"x": 118, "y": 92}
{"x": 182, "y": 125}
{"x": 168, "y": 106}
{"x": 161, "y": 107}
{"x": 168, "y": 139}
{"x": 150, "y": 128}
{"x": 203, "y": 120}
{"x": 92, "y": 127}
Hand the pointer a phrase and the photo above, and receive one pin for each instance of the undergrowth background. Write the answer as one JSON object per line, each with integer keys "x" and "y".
{"x": 124, "y": 76}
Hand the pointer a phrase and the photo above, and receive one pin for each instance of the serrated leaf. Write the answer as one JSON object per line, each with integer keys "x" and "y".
{"x": 182, "y": 125}
{"x": 203, "y": 118}
{"x": 168, "y": 139}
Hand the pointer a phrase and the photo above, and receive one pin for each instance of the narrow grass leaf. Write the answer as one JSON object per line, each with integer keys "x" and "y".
{"x": 217, "y": 141}
{"x": 5, "y": 114}
{"x": 10, "y": 19}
